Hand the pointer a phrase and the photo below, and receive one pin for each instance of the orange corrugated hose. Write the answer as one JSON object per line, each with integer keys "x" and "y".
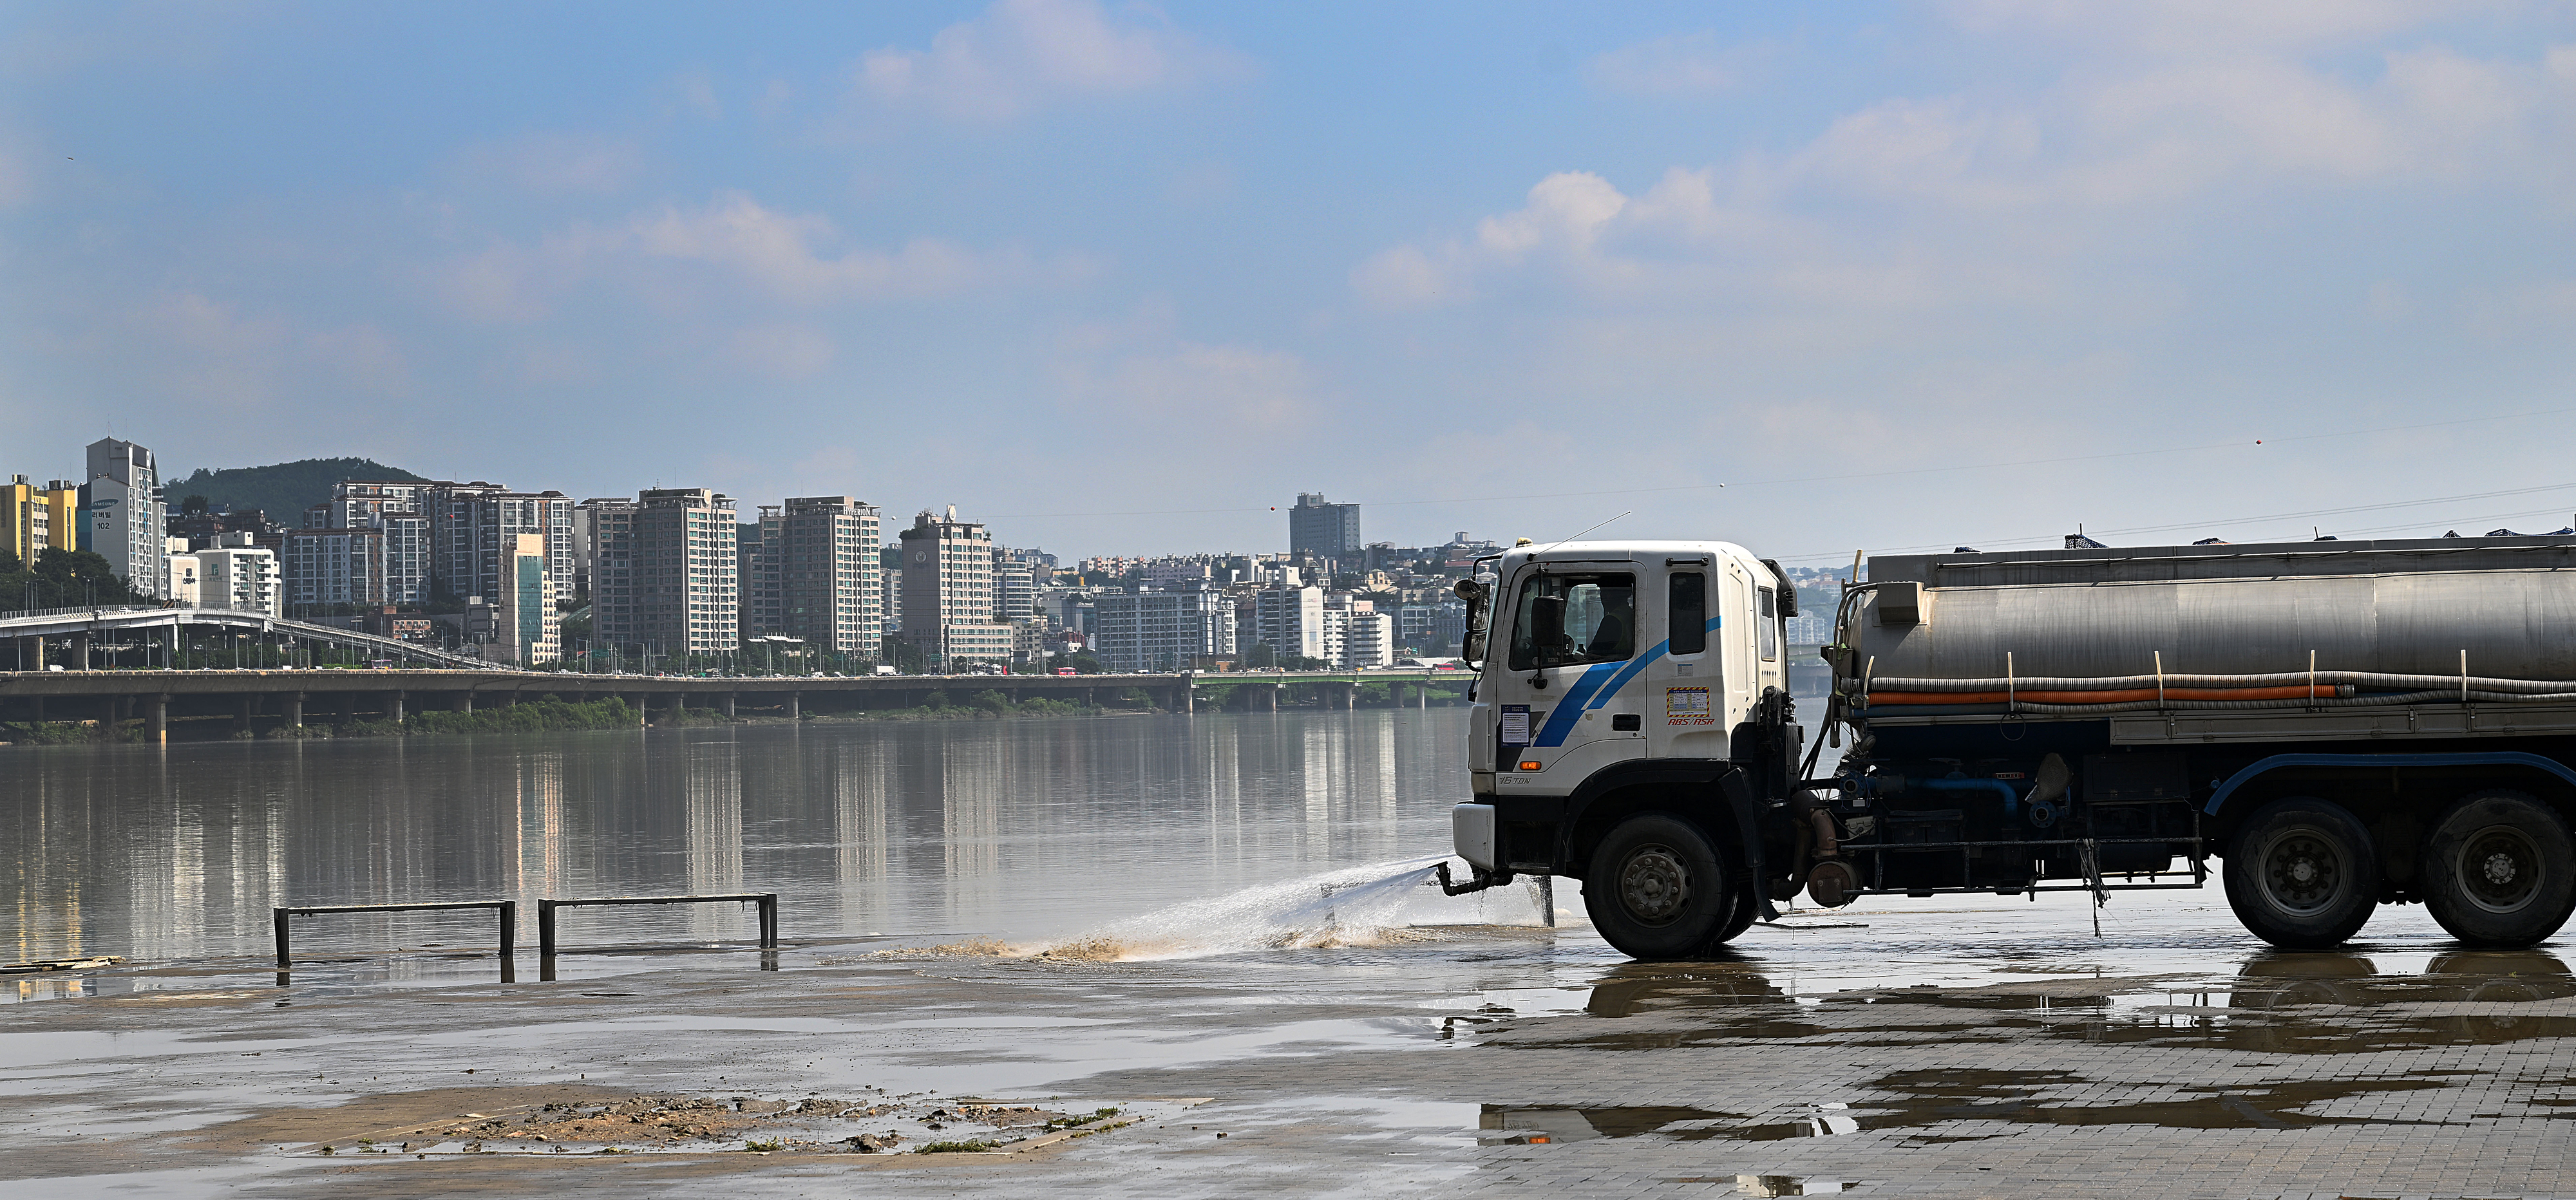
{"x": 2122, "y": 696}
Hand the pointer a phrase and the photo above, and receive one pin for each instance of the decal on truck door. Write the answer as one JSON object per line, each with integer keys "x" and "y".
{"x": 1516, "y": 731}
{"x": 1687, "y": 706}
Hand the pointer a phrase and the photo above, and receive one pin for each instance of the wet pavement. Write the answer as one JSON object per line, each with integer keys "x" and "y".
{"x": 1214, "y": 926}
{"x": 1986, "y": 1048}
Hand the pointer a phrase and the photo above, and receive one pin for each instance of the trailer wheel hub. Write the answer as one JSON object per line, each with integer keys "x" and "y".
{"x": 2302, "y": 870}
{"x": 2500, "y": 867}
{"x": 1653, "y": 885}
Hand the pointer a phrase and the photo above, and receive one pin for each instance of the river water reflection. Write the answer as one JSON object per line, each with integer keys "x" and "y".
{"x": 1018, "y": 829}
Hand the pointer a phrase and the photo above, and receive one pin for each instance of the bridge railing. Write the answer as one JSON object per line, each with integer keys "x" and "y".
{"x": 78, "y": 610}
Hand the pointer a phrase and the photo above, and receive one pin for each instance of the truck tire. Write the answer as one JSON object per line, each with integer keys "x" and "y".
{"x": 2500, "y": 870}
{"x": 1657, "y": 890}
{"x": 1739, "y": 918}
{"x": 2301, "y": 874}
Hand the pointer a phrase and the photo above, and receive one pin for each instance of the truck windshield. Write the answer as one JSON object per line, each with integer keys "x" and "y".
{"x": 1565, "y": 620}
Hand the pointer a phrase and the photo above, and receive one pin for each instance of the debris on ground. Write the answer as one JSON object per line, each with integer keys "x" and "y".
{"x": 753, "y": 1123}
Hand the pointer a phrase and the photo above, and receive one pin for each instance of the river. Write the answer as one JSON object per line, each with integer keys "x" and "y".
{"x": 1012, "y": 828}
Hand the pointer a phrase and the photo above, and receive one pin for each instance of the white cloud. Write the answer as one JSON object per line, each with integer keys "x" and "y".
{"x": 1956, "y": 198}
{"x": 1023, "y": 54}
{"x": 799, "y": 259}
{"x": 2203, "y": 26}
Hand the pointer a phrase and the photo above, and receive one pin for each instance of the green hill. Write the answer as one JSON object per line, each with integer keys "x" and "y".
{"x": 283, "y": 491}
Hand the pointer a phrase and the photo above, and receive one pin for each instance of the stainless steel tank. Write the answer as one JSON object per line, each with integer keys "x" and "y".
{"x": 2411, "y": 608}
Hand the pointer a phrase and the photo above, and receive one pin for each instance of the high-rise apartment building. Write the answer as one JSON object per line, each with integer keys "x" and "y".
{"x": 756, "y": 573}
{"x": 1015, "y": 591}
{"x": 948, "y": 591}
{"x": 125, "y": 515}
{"x": 1290, "y": 620}
{"x": 608, "y": 534}
{"x": 1325, "y": 530}
{"x": 1161, "y": 631}
{"x": 890, "y": 582}
{"x": 824, "y": 552}
{"x": 472, "y": 526}
{"x": 382, "y": 560}
{"x": 356, "y": 503}
{"x": 525, "y": 624}
{"x": 677, "y": 569}
{"x": 1368, "y": 640}
{"x": 36, "y": 519}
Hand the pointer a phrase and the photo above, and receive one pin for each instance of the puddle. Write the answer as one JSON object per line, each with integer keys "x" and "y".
{"x": 1925, "y": 1099}
{"x": 2276, "y": 1003}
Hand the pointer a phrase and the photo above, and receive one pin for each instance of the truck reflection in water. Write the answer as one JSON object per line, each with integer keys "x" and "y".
{"x": 2307, "y": 1004}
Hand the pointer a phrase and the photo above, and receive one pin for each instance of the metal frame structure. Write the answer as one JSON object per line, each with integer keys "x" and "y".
{"x": 768, "y": 902}
{"x": 509, "y": 922}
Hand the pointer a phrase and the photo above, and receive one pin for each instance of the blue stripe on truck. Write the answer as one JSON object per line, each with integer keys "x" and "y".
{"x": 1595, "y": 687}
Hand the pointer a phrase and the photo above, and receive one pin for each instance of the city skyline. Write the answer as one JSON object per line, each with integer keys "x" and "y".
{"x": 1515, "y": 271}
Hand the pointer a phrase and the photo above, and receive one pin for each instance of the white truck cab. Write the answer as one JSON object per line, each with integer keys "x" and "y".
{"x": 1627, "y": 682}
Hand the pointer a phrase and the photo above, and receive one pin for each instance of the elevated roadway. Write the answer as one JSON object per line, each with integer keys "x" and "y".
{"x": 86, "y": 628}
{"x": 267, "y": 698}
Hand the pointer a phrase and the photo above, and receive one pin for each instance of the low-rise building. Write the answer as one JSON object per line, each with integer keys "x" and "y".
{"x": 242, "y": 578}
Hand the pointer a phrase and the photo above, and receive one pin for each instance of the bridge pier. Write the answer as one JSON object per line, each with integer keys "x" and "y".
{"x": 1189, "y": 699}
{"x": 80, "y": 650}
{"x": 158, "y": 713}
{"x": 728, "y": 704}
{"x": 295, "y": 710}
{"x": 795, "y": 709}
{"x": 465, "y": 701}
{"x": 249, "y": 711}
{"x": 397, "y": 710}
{"x": 1275, "y": 689}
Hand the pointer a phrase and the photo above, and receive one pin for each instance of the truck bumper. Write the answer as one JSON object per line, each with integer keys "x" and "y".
{"x": 1471, "y": 831}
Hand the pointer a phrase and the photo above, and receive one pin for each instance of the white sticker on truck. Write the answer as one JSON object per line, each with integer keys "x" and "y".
{"x": 1687, "y": 706}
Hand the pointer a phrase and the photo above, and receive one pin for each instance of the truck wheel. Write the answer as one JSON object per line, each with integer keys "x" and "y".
{"x": 1739, "y": 917}
{"x": 2301, "y": 874}
{"x": 1656, "y": 889}
{"x": 2497, "y": 870}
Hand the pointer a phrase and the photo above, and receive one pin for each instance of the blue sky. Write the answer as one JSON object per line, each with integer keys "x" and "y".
{"x": 1119, "y": 278}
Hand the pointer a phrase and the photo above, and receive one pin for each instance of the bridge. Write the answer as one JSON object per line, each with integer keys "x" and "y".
{"x": 127, "y": 632}
{"x": 269, "y": 700}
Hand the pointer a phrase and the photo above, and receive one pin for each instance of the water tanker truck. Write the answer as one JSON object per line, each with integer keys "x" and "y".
{"x": 2340, "y": 725}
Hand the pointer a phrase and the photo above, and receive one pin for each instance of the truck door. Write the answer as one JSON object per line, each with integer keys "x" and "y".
{"x": 1686, "y": 701}
{"x": 1562, "y": 701}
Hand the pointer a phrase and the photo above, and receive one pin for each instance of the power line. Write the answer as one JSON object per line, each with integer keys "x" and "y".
{"x": 1797, "y": 479}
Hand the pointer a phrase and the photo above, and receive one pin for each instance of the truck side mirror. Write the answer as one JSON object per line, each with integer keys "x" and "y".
{"x": 1471, "y": 647}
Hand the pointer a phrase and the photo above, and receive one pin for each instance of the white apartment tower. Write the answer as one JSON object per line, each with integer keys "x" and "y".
{"x": 1290, "y": 620}
{"x": 682, "y": 573}
{"x": 126, "y": 520}
{"x": 825, "y": 557}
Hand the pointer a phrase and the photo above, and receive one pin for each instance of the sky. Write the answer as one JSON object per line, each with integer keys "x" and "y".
{"x": 1126, "y": 278}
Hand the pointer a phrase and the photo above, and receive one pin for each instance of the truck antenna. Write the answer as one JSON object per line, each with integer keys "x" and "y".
{"x": 1553, "y": 545}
